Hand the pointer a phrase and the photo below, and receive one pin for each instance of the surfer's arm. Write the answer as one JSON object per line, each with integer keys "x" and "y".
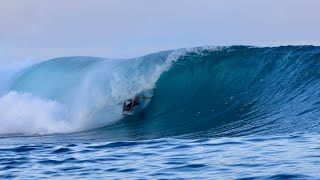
{"x": 144, "y": 97}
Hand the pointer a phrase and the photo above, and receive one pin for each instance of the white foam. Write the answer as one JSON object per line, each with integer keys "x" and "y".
{"x": 24, "y": 113}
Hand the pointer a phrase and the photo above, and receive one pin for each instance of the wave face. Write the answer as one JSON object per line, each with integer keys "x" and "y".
{"x": 199, "y": 92}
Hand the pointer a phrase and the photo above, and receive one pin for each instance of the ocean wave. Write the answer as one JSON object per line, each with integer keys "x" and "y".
{"x": 205, "y": 91}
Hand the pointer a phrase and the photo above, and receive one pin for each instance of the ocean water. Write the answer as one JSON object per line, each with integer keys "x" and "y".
{"x": 216, "y": 113}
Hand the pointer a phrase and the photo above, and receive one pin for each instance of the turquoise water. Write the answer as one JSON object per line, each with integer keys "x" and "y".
{"x": 215, "y": 113}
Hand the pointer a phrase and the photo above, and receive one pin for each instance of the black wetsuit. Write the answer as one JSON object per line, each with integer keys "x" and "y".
{"x": 136, "y": 102}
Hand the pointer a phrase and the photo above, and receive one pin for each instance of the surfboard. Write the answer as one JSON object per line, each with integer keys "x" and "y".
{"x": 127, "y": 113}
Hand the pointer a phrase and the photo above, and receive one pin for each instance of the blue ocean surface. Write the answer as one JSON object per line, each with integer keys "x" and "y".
{"x": 277, "y": 157}
{"x": 236, "y": 112}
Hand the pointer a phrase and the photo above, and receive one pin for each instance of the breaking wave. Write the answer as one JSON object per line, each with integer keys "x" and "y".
{"x": 220, "y": 91}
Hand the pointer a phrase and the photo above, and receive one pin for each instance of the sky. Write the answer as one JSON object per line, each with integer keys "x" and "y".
{"x": 36, "y": 30}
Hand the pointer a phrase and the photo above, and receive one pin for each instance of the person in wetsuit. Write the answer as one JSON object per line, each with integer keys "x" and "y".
{"x": 129, "y": 104}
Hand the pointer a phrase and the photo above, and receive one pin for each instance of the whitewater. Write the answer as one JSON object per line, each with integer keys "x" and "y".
{"x": 234, "y": 111}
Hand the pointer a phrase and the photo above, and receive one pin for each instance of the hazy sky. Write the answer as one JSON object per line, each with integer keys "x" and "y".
{"x": 40, "y": 29}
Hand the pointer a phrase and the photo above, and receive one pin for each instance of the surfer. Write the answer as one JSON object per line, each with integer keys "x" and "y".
{"x": 129, "y": 104}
